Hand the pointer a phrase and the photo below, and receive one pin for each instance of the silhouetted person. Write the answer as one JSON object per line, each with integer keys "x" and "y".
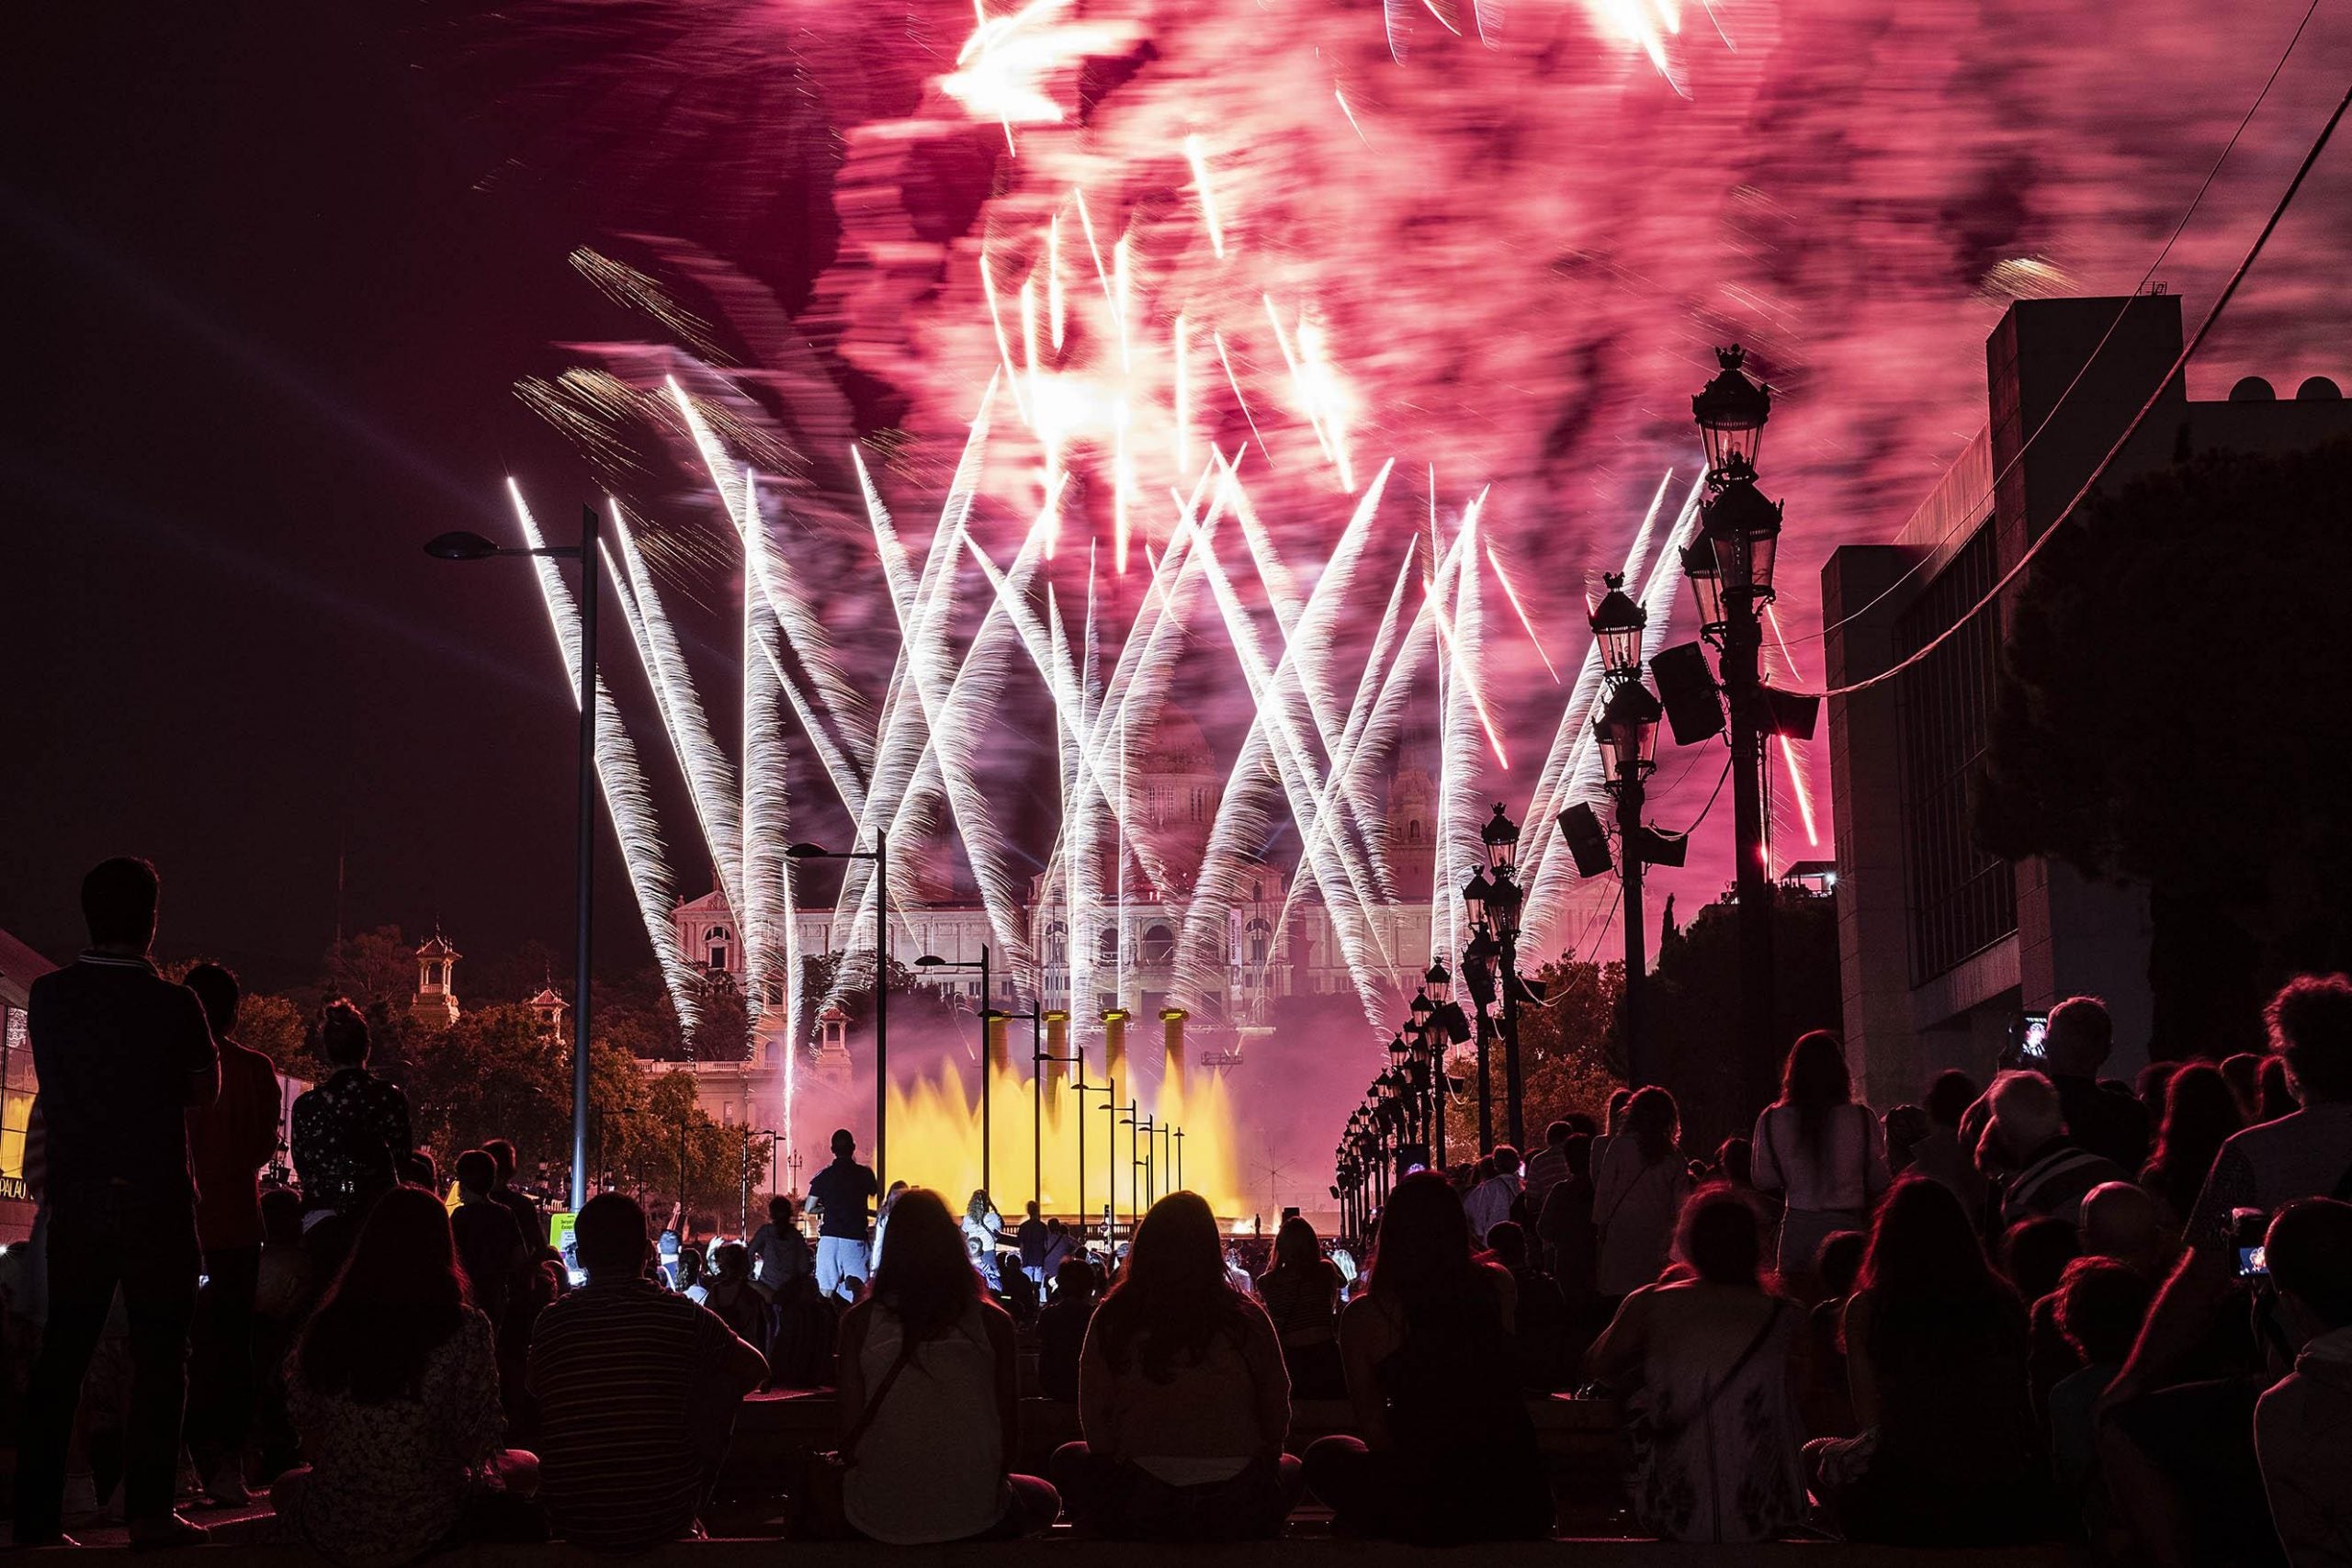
{"x": 2103, "y": 1118}
{"x": 930, "y": 1399}
{"x": 1637, "y": 1192}
{"x": 1183, "y": 1396}
{"x": 122, "y": 1054}
{"x": 1448, "y": 1452}
{"x": 490, "y": 1243}
{"x": 528, "y": 1220}
{"x": 842, "y": 1193}
{"x": 1819, "y": 1152}
{"x": 2044, "y": 1171}
{"x": 1542, "y": 1326}
{"x": 229, "y": 1142}
{"x": 637, "y": 1390}
{"x": 1948, "y": 1454}
{"x": 2200, "y": 1115}
{"x": 1061, "y": 1330}
{"x": 1547, "y": 1167}
{"x": 394, "y": 1388}
{"x": 2303, "y": 1425}
{"x": 1707, "y": 1359}
{"x": 1301, "y": 1291}
{"x": 350, "y": 1135}
{"x": 1031, "y": 1238}
{"x": 1940, "y": 1155}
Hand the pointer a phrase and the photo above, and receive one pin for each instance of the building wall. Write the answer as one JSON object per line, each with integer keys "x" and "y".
{"x": 1921, "y": 995}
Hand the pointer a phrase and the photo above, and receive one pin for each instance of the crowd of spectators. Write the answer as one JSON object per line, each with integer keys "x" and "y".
{"x": 2049, "y": 1307}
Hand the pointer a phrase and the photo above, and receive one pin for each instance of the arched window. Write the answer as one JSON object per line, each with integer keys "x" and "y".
{"x": 1158, "y": 945}
{"x": 1413, "y": 831}
{"x": 717, "y": 944}
{"x": 1261, "y": 938}
{"x": 1057, "y": 943}
{"x": 1106, "y": 946}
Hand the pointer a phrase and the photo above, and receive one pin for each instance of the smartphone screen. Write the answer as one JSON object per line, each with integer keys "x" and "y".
{"x": 2037, "y": 1036}
{"x": 2252, "y": 1264}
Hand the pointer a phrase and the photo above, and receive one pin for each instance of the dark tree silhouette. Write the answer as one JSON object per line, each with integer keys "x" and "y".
{"x": 2166, "y": 714}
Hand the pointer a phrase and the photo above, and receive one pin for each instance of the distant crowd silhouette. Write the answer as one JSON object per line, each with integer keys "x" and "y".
{"x": 2053, "y": 1307}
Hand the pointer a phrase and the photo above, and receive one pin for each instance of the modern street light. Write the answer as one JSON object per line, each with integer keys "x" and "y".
{"x": 987, "y": 1049}
{"x": 1730, "y": 577}
{"x": 460, "y": 546}
{"x": 880, "y": 855}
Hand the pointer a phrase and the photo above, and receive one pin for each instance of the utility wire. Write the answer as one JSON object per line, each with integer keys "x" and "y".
{"x": 2092, "y": 358}
{"x": 2212, "y": 317}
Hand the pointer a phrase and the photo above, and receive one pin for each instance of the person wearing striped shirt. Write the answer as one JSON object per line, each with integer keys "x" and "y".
{"x": 637, "y": 1390}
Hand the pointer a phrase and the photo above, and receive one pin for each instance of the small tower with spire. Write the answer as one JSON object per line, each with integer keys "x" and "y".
{"x": 832, "y": 1047}
{"x": 547, "y": 1011}
{"x": 436, "y": 1002}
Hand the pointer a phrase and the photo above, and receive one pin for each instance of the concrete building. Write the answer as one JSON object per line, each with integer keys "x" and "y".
{"x": 435, "y": 1001}
{"x": 1942, "y": 944}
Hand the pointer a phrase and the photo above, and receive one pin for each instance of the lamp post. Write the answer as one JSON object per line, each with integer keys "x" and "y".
{"x": 1500, "y": 835}
{"x": 461, "y": 545}
{"x": 1627, "y": 730}
{"x": 880, "y": 855}
{"x": 1730, "y": 569}
{"x": 1119, "y": 1115}
{"x": 988, "y": 1055}
{"x": 1178, "y": 1135}
{"x": 1480, "y": 962}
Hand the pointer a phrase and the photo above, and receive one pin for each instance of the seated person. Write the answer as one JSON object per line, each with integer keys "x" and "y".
{"x": 930, "y": 1396}
{"x": 394, "y": 1389}
{"x": 1182, "y": 1397}
{"x": 1061, "y": 1330}
{"x": 2100, "y": 1303}
{"x": 1542, "y": 1326}
{"x": 637, "y": 1391}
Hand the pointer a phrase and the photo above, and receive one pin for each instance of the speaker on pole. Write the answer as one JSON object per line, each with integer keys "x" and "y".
{"x": 1587, "y": 840}
{"x": 1694, "y": 706}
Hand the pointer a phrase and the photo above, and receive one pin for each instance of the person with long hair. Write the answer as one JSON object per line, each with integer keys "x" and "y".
{"x": 1708, "y": 1359}
{"x": 1640, "y": 1189}
{"x": 394, "y": 1389}
{"x": 1301, "y": 1289}
{"x": 1817, "y": 1151}
{"x": 930, "y": 1399}
{"x": 1936, "y": 1348}
{"x": 2201, "y": 1113}
{"x": 1446, "y": 1452}
{"x": 1183, "y": 1396}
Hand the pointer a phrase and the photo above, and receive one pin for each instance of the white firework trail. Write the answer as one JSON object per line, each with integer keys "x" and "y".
{"x": 1243, "y": 814}
{"x": 764, "y": 915}
{"x": 802, "y": 633}
{"x": 1572, "y": 772}
{"x": 710, "y": 778}
{"x": 626, "y": 801}
{"x": 1460, "y": 764}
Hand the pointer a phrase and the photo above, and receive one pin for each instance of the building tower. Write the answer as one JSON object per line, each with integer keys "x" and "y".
{"x": 547, "y": 1011}
{"x": 436, "y": 1002}
{"x": 832, "y": 1047}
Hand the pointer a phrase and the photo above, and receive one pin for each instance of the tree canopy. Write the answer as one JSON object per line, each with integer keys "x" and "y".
{"x": 2160, "y": 717}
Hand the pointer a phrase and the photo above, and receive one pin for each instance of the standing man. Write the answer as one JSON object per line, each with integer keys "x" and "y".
{"x": 2103, "y": 1118}
{"x": 1031, "y": 1238}
{"x": 522, "y": 1205}
{"x": 122, "y": 1055}
{"x": 229, "y": 1142}
{"x": 842, "y": 1193}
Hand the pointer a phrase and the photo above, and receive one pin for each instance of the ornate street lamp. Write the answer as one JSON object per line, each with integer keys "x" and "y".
{"x": 1478, "y": 961}
{"x": 1627, "y": 730}
{"x": 1731, "y": 576}
{"x": 1500, "y": 835}
{"x": 1731, "y": 410}
{"x": 1617, "y": 626}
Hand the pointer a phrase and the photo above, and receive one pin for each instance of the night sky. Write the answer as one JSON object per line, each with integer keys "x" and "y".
{"x": 274, "y": 271}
